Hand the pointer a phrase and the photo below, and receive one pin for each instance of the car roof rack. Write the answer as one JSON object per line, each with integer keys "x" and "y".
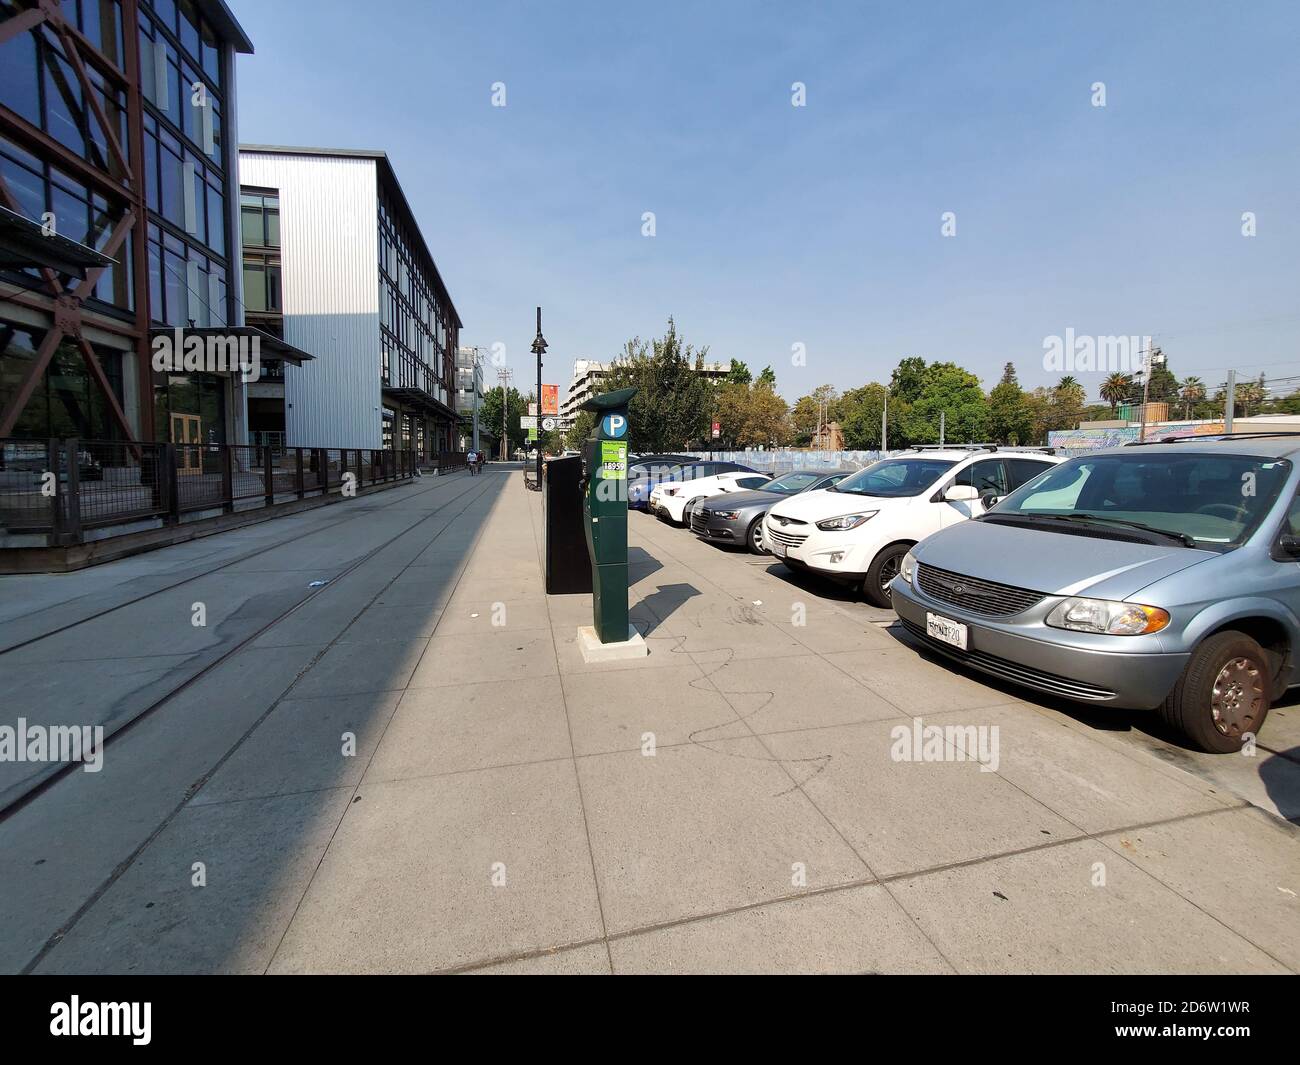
{"x": 983, "y": 447}
{"x": 1210, "y": 436}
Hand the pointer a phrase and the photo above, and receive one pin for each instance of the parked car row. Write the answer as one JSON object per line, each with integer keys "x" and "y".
{"x": 1156, "y": 576}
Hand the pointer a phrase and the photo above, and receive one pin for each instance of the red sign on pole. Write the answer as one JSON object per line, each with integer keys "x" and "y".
{"x": 550, "y": 399}
{"x": 717, "y": 430}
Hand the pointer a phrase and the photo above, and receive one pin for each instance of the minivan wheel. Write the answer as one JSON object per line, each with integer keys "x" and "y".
{"x": 883, "y": 570}
{"x": 1223, "y": 694}
{"x": 754, "y": 538}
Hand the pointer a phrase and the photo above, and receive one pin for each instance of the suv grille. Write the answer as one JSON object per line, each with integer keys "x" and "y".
{"x": 974, "y": 594}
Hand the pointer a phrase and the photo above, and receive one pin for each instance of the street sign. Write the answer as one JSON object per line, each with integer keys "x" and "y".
{"x": 548, "y": 424}
{"x": 527, "y": 421}
{"x": 532, "y": 410}
{"x": 717, "y": 429}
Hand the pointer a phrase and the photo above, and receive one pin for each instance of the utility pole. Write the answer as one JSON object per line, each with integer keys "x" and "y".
{"x": 1153, "y": 355}
{"x": 1230, "y": 401}
{"x": 504, "y": 377}
{"x": 884, "y": 426}
{"x": 943, "y": 425}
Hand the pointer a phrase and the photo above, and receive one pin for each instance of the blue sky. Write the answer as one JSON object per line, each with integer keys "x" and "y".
{"x": 820, "y": 225}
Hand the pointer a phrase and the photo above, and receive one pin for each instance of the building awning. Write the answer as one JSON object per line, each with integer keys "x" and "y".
{"x": 418, "y": 397}
{"x": 269, "y": 347}
{"x": 24, "y": 243}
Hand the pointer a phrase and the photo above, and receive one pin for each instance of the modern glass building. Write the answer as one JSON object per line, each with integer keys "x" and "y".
{"x": 343, "y": 271}
{"x": 117, "y": 131}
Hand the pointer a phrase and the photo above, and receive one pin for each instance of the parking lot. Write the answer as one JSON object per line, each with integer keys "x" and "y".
{"x": 764, "y": 792}
{"x": 1271, "y": 780}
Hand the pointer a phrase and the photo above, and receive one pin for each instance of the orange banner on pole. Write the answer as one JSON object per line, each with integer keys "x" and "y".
{"x": 550, "y": 399}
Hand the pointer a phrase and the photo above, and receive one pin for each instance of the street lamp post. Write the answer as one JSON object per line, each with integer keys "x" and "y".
{"x": 539, "y": 349}
{"x": 475, "y": 362}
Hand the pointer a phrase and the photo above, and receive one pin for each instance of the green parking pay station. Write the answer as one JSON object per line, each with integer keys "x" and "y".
{"x": 604, "y": 502}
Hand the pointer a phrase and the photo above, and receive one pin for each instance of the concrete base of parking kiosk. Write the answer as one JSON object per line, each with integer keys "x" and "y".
{"x": 595, "y": 651}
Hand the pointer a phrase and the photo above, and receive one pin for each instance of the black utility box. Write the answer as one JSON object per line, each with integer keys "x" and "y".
{"x": 568, "y": 567}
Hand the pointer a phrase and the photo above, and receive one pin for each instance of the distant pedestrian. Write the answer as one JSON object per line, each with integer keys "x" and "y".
{"x": 471, "y": 458}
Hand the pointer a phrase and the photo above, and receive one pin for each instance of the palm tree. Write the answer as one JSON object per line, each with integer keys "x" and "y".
{"x": 1115, "y": 389}
{"x": 1252, "y": 393}
{"x": 1193, "y": 393}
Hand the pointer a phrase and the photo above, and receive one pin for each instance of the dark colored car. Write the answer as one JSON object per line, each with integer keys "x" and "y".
{"x": 650, "y": 470}
{"x": 737, "y": 518}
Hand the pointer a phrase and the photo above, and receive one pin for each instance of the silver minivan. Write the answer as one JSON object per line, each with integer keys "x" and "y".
{"x": 1149, "y": 576}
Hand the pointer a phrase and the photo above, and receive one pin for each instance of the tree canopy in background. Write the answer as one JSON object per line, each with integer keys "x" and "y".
{"x": 673, "y": 404}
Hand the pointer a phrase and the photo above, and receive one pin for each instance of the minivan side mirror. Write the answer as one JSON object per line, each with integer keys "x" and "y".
{"x": 960, "y": 493}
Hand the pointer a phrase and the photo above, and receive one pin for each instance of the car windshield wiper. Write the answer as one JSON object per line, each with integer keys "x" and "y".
{"x": 1101, "y": 519}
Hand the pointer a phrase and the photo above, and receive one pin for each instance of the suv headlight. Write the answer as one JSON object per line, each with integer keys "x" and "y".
{"x": 845, "y": 521}
{"x": 1102, "y": 615}
{"x": 907, "y": 568}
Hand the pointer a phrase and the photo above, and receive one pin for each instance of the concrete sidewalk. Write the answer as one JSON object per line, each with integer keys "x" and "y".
{"x": 426, "y": 776}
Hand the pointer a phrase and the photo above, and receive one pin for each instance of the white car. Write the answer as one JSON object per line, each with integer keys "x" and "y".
{"x": 675, "y": 500}
{"x": 858, "y": 532}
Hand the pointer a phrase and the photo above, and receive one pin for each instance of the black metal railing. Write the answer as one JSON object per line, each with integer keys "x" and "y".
{"x": 64, "y": 487}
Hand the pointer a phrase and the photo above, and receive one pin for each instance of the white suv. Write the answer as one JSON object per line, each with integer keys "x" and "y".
{"x": 675, "y": 500}
{"x": 859, "y": 531}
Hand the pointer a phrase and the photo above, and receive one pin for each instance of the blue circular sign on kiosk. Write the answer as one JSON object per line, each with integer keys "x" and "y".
{"x": 614, "y": 425}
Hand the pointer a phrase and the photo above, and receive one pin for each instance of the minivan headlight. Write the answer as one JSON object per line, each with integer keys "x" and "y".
{"x": 845, "y": 521}
{"x": 907, "y": 568}
{"x": 1102, "y": 615}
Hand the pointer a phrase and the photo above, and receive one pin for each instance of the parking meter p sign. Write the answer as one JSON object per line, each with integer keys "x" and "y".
{"x": 614, "y": 425}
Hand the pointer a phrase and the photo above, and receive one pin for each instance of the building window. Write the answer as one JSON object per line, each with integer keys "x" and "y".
{"x": 67, "y": 401}
{"x": 259, "y": 219}
{"x": 262, "y": 284}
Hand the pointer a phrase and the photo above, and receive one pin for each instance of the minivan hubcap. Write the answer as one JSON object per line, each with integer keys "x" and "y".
{"x": 1237, "y": 696}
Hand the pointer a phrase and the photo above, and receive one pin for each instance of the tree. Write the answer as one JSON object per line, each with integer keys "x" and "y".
{"x": 809, "y": 409}
{"x": 1065, "y": 408}
{"x": 1252, "y": 394}
{"x": 1114, "y": 389}
{"x": 489, "y": 415}
{"x": 768, "y": 377}
{"x": 673, "y": 403}
{"x": 751, "y": 415}
{"x": 739, "y": 373}
{"x": 956, "y": 393}
{"x": 1011, "y": 419}
{"x": 860, "y": 411}
{"x": 1193, "y": 392}
{"x": 583, "y": 423}
{"x": 908, "y": 379}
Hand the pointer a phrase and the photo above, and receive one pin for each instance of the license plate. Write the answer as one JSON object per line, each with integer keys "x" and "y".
{"x": 946, "y": 631}
{"x": 778, "y": 548}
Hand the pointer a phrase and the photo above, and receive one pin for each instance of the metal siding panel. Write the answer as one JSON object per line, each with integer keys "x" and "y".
{"x": 329, "y": 254}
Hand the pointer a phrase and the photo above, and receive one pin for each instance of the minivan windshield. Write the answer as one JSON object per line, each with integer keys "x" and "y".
{"x": 895, "y": 477}
{"x": 1202, "y": 499}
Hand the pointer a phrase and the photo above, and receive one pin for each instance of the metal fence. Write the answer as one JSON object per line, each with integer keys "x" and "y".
{"x": 780, "y": 461}
{"x": 64, "y": 487}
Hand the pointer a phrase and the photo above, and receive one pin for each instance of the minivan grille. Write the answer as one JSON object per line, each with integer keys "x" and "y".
{"x": 975, "y": 594}
{"x": 1015, "y": 671}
